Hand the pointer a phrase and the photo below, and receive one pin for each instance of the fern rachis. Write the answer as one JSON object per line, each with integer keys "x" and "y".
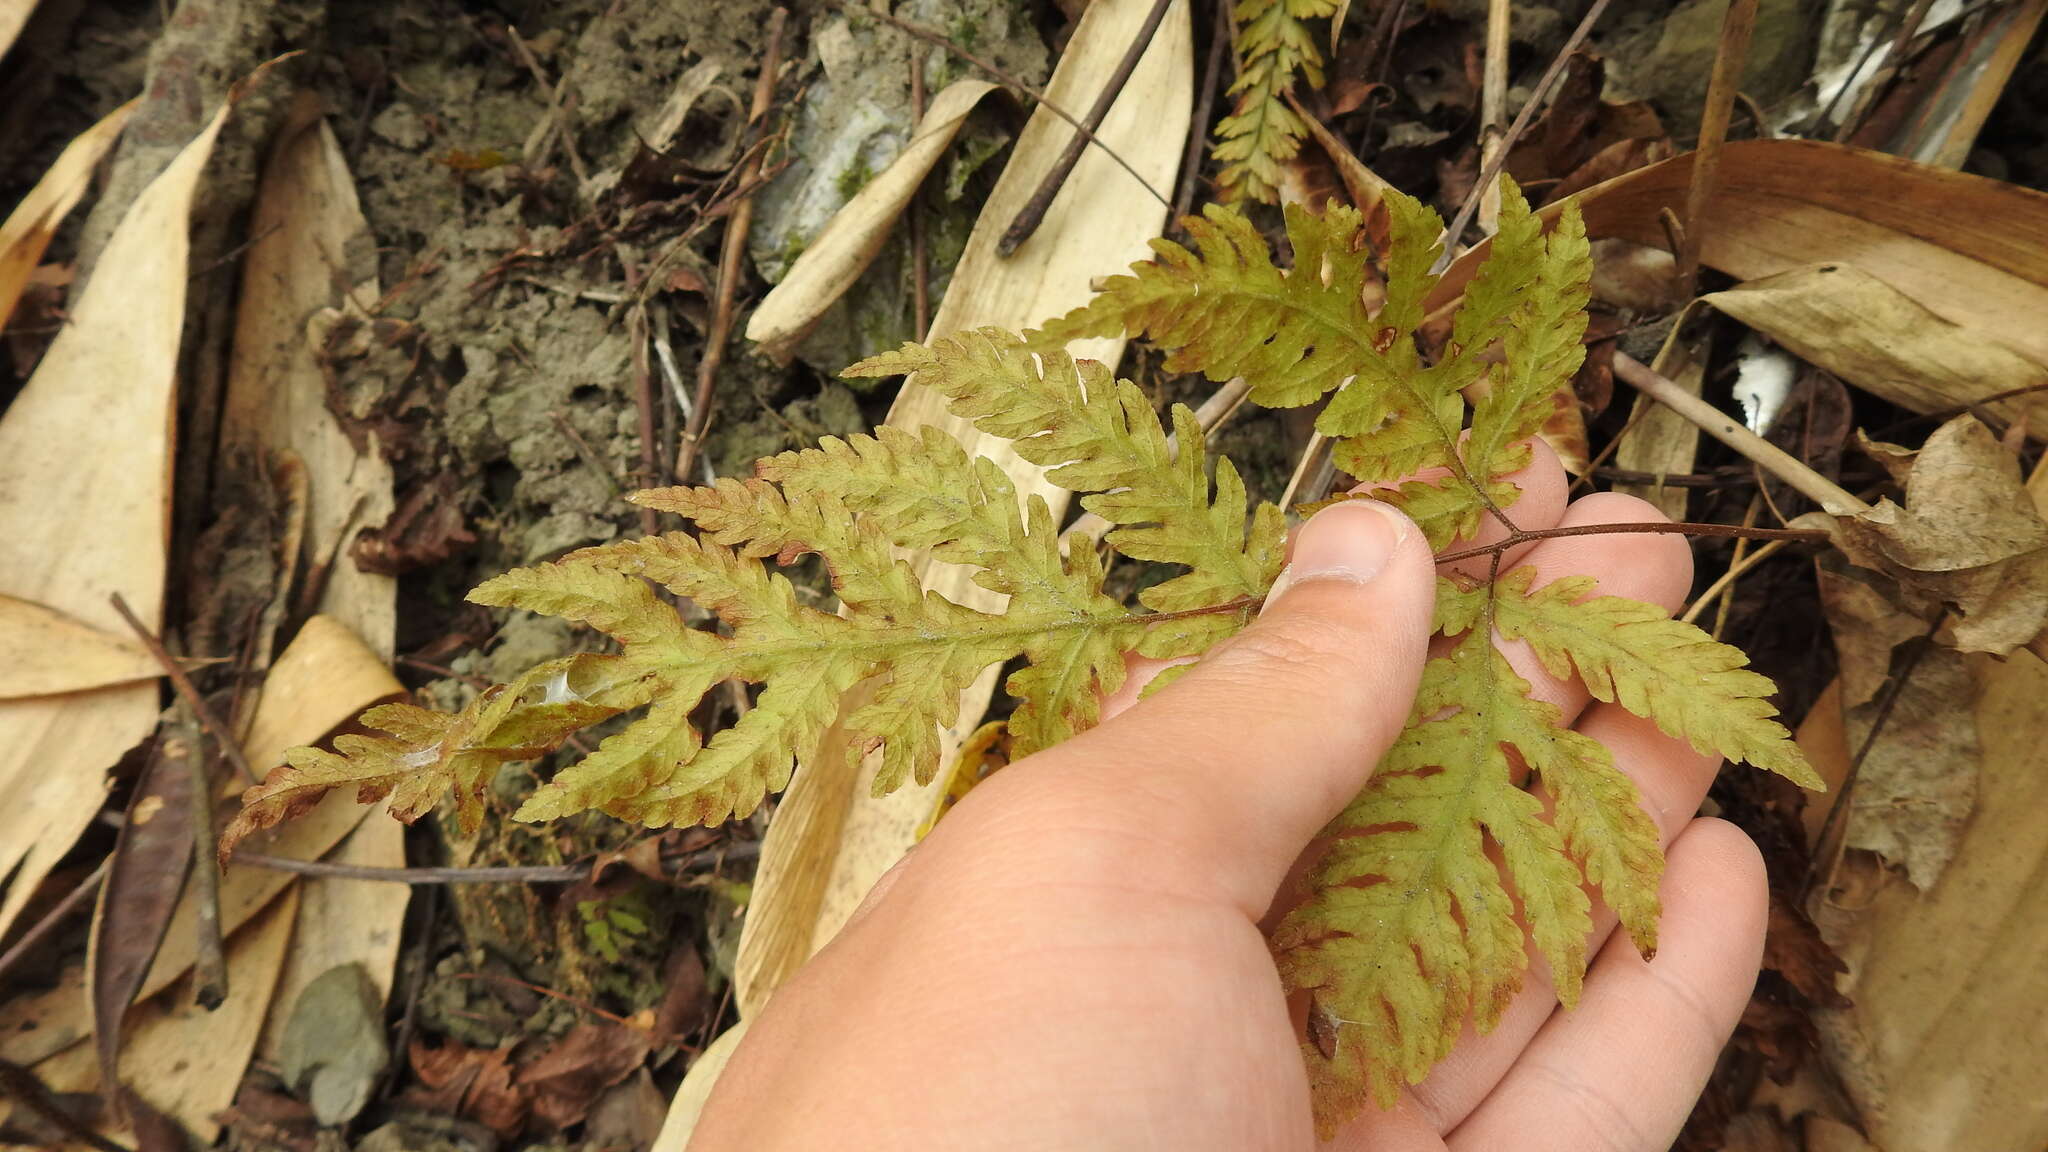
{"x": 1411, "y": 852}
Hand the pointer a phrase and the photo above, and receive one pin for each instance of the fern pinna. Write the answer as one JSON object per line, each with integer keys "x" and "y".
{"x": 1274, "y": 43}
{"x": 1410, "y": 927}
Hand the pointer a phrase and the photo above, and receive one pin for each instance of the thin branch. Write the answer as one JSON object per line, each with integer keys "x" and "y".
{"x": 920, "y": 271}
{"x": 703, "y": 858}
{"x": 1736, "y": 26}
{"x": 1490, "y": 172}
{"x": 1831, "y": 496}
{"x": 1033, "y": 212}
{"x": 1002, "y": 77}
{"x": 229, "y": 746}
{"x": 1493, "y": 105}
{"x": 1657, "y": 527}
{"x": 1198, "y": 138}
{"x": 731, "y": 260}
{"x": 1735, "y": 572}
{"x": 55, "y": 917}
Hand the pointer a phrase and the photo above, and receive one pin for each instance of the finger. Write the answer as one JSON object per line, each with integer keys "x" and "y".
{"x": 1226, "y": 773}
{"x": 1624, "y": 1070}
{"x": 1672, "y": 779}
{"x": 1543, "y": 487}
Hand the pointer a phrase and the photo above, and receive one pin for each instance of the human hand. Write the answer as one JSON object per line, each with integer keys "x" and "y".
{"x": 1073, "y": 958}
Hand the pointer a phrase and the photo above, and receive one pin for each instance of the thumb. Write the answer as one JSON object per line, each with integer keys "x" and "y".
{"x": 1273, "y": 732}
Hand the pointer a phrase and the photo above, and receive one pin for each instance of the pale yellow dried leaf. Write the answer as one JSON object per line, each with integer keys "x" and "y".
{"x": 1947, "y": 1032}
{"x": 43, "y": 651}
{"x": 833, "y": 261}
{"x": 34, "y": 220}
{"x": 312, "y": 251}
{"x": 1841, "y": 318}
{"x": 1972, "y": 250}
{"x": 85, "y": 489}
{"x": 321, "y": 681}
{"x": 830, "y": 840}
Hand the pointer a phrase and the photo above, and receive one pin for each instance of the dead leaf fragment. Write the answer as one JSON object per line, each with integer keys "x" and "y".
{"x": 85, "y": 474}
{"x": 568, "y": 1078}
{"x": 27, "y": 232}
{"x": 851, "y": 239}
{"x": 333, "y": 1052}
{"x": 1872, "y": 335}
{"x": 1968, "y": 535}
{"x": 44, "y": 652}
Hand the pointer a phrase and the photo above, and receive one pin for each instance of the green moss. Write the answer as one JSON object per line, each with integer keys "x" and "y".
{"x": 855, "y": 178}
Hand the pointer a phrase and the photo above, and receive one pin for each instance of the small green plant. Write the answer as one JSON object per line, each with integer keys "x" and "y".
{"x": 1411, "y": 927}
{"x": 1274, "y": 44}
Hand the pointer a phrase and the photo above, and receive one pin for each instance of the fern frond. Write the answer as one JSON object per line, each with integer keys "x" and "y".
{"x": 1098, "y": 435}
{"x": 1274, "y": 43}
{"x": 1634, "y": 654}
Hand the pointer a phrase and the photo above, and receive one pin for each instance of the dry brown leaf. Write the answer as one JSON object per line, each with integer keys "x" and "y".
{"x": 1968, "y": 535}
{"x": 1973, "y": 251}
{"x": 1867, "y": 623}
{"x": 322, "y": 681}
{"x": 1843, "y": 319}
{"x": 830, "y": 839}
{"x": 850, "y": 240}
{"x": 44, "y": 652}
{"x": 566, "y": 1080}
{"x": 13, "y": 15}
{"x": 1917, "y": 785}
{"x": 1943, "y": 1044}
{"x": 471, "y": 1082}
{"x": 311, "y": 251}
{"x": 85, "y": 474}
{"x": 34, "y": 221}
{"x": 151, "y": 858}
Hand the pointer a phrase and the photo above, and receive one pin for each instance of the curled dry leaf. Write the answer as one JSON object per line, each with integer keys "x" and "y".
{"x": 1839, "y": 317}
{"x": 831, "y": 263}
{"x": 28, "y": 229}
{"x": 1968, "y": 535}
{"x": 44, "y": 652}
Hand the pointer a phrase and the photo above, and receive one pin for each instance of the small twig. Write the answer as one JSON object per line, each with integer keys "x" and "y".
{"x": 643, "y": 403}
{"x": 1033, "y": 212}
{"x": 564, "y": 997}
{"x": 1736, "y": 563}
{"x": 1493, "y": 105}
{"x": 1736, "y": 26}
{"x": 21, "y": 1084}
{"x": 1830, "y": 843}
{"x": 186, "y": 691}
{"x": 1650, "y": 527}
{"x": 499, "y": 874}
{"x": 556, "y": 113}
{"x": 1718, "y": 424}
{"x": 920, "y": 274}
{"x": 590, "y": 457}
{"x": 1490, "y": 172}
{"x": 1001, "y": 77}
{"x": 1198, "y": 138}
{"x": 53, "y": 919}
{"x": 731, "y": 258}
{"x": 1728, "y": 579}
{"x": 209, "y": 957}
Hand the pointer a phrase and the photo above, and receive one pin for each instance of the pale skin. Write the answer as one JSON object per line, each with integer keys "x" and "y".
{"x": 1073, "y": 958}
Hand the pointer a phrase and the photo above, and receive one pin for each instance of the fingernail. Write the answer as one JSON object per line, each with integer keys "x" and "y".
{"x": 1349, "y": 542}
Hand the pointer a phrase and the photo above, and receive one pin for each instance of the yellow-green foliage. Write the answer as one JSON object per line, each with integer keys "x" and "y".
{"x": 1274, "y": 43}
{"x": 1412, "y": 928}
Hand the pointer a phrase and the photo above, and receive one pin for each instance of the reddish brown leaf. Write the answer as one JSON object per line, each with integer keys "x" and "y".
{"x": 568, "y": 1078}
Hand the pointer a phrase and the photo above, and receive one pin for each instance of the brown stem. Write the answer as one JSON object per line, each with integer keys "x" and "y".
{"x": 643, "y": 402}
{"x": 1212, "y": 72}
{"x": 1660, "y": 527}
{"x": 1491, "y": 171}
{"x": 502, "y": 874}
{"x": 1736, "y": 25}
{"x": 229, "y": 747}
{"x": 1033, "y": 212}
{"x": 1002, "y": 77}
{"x": 731, "y": 259}
{"x": 920, "y": 274}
